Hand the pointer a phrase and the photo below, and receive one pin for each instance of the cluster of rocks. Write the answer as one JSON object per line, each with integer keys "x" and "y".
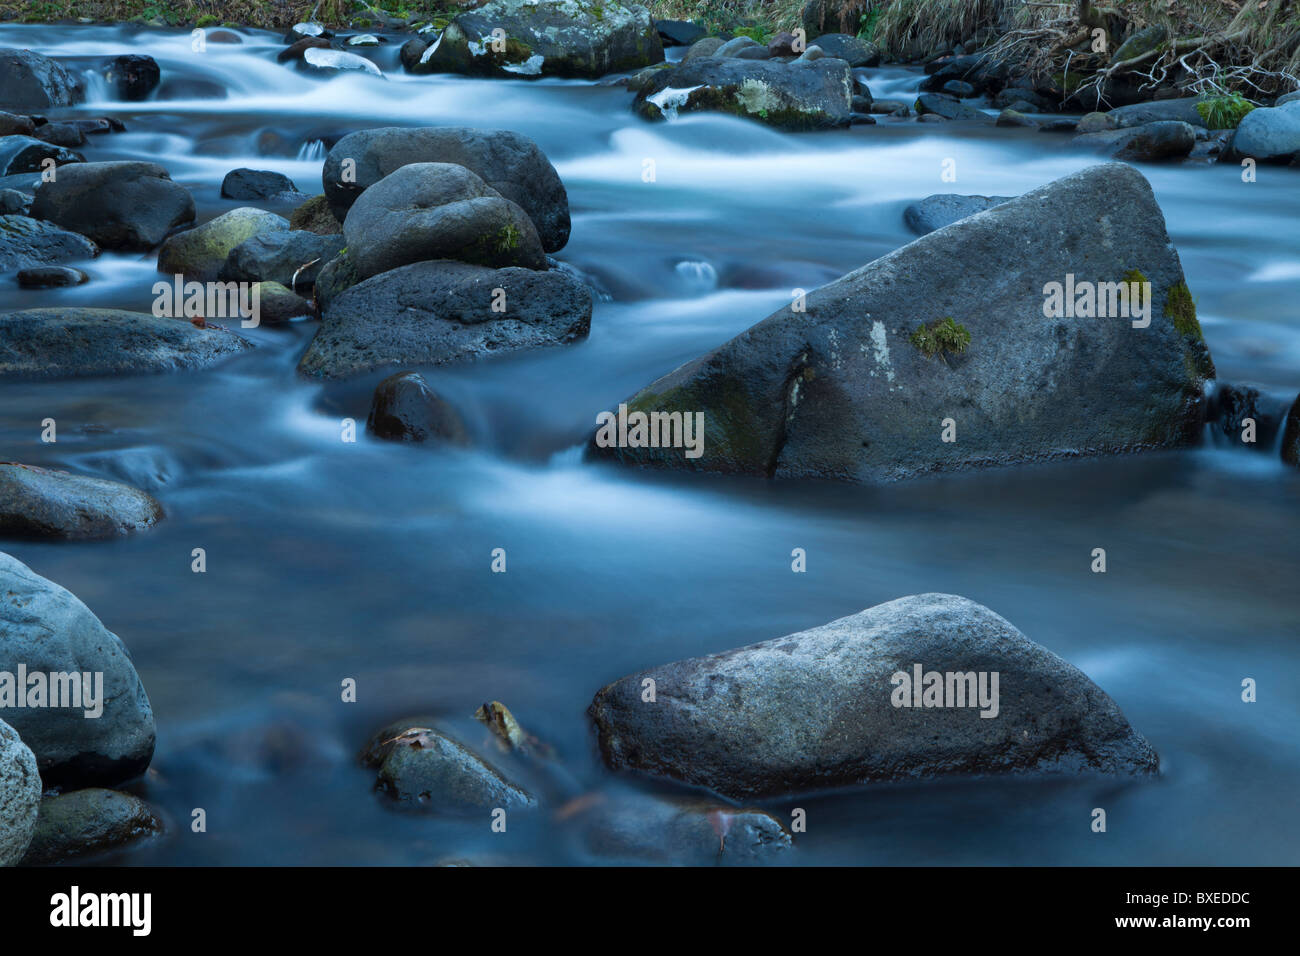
{"x": 811, "y": 711}
{"x": 75, "y": 750}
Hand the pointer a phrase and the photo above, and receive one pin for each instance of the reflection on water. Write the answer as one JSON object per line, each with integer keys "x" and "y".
{"x": 329, "y": 560}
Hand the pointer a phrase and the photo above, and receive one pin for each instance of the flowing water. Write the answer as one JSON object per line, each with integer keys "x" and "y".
{"x": 328, "y": 560}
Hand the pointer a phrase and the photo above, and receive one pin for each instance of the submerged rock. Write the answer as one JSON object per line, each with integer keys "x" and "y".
{"x": 943, "y": 209}
{"x": 803, "y": 95}
{"x": 425, "y": 211}
{"x": 20, "y": 796}
{"x": 40, "y": 503}
{"x": 571, "y": 38}
{"x": 200, "y": 253}
{"x": 51, "y": 277}
{"x": 509, "y": 162}
{"x": 958, "y": 335}
{"x": 27, "y": 154}
{"x": 47, "y": 630}
{"x": 89, "y": 821}
{"x": 405, "y": 408}
{"x": 31, "y": 81}
{"x": 834, "y": 706}
{"x": 132, "y": 76}
{"x": 58, "y": 343}
{"x": 644, "y": 829}
{"x": 120, "y": 205}
{"x": 433, "y": 313}
{"x": 421, "y": 767}
{"x": 27, "y": 243}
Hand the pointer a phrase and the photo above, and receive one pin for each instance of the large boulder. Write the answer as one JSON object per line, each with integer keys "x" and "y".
{"x": 510, "y": 163}
{"x": 86, "y": 822}
{"x": 958, "y": 336}
{"x": 841, "y": 704}
{"x": 426, "y": 211}
{"x": 46, "y": 631}
{"x": 435, "y": 313}
{"x": 943, "y": 209}
{"x": 120, "y": 205}
{"x": 68, "y": 342}
{"x": 199, "y": 253}
{"x": 26, "y": 243}
{"x": 571, "y": 38}
{"x": 27, "y": 154}
{"x": 40, "y": 503}
{"x": 1269, "y": 134}
{"x": 803, "y": 95}
{"x": 292, "y": 258}
{"x": 20, "y": 796}
{"x": 31, "y": 81}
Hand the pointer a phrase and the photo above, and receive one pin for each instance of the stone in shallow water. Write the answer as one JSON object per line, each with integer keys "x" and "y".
{"x": 405, "y": 408}
{"x": 89, "y": 821}
{"x": 823, "y": 708}
{"x": 40, "y": 503}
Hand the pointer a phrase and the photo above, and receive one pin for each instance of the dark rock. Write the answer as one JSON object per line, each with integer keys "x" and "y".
{"x": 1291, "y": 436}
{"x": 850, "y": 49}
{"x": 1095, "y": 123}
{"x": 737, "y": 45}
{"x": 1181, "y": 110}
{"x": 644, "y": 829}
{"x": 950, "y": 108}
{"x": 28, "y": 243}
{"x": 30, "y": 81}
{"x": 278, "y": 304}
{"x": 50, "y": 277}
{"x": 426, "y": 769}
{"x": 820, "y": 708}
{"x": 405, "y": 408}
{"x": 1010, "y": 117}
{"x": 510, "y": 163}
{"x": 576, "y": 38}
{"x": 292, "y": 258}
{"x": 25, "y": 154}
{"x": 796, "y": 399}
{"x": 40, "y": 503}
{"x": 411, "y": 55}
{"x": 982, "y": 72}
{"x": 1150, "y": 143}
{"x": 434, "y": 313}
{"x": 425, "y": 211}
{"x": 68, "y": 135}
{"x": 294, "y": 52}
{"x": 790, "y": 96}
{"x": 257, "y": 184}
{"x": 132, "y": 76}
{"x": 64, "y": 343}
{"x": 15, "y": 202}
{"x": 89, "y": 821}
{"x": 315, "y": 215}
{"x": 1015, "y": 94}
{"x": 783, "y": 45}
{"x": 339, "y": 275}
{"x": 959, "y": 88}
{"x": 13, "y": 125}
{"x": 709, "y": 46}
{"x": 1059, "y": 126}
{"x": 48, "y": 630}
{"x": 124, "y": 205}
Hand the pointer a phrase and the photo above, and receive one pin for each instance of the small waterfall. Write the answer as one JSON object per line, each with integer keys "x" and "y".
{"x": 697, "y": 276}
{"x": 312, "y": 151}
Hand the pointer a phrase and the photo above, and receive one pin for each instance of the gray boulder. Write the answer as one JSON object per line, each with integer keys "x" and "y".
{"x": 434, "y": 313}
{"x": 405, "y": 408}
{"x": 86, "y": 822}
{"x": 20, "y": 796}
{"x": 736, "y": 45}
{"x": 426, "y": 211}
{"x": 40, "y": 503}
{"x": 122, "y": 205}
{"x": 292, "y": 258}
{"x": 26, "y": 154}
{"x": 804, "y": 95}
{"x": 50, "y": 277}
{"x": 509, "y": 162}
{"x": 949, "y": 107}
{"x": 943, "y": 209}
{"x": 63, "y": 343}
{"x": 200, "y": 253}
{"x": 47, "y": 630}
{"x": 571, "y": 38}
{"x": 709, "y": 46}
{"x": 419, "y": 766}
{"x": 859, "y": 384}
{"x": 850, "y": 49}
{"x": 1269, "y": 134}
{"x": 1182, "y": 110}
{"x": 30, "y": 81}
{"x": 1151, "y": 142}
{"x": 26, "y": 243}
{"x": 257, "y": 184}
{"x": 827, "y": 707}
